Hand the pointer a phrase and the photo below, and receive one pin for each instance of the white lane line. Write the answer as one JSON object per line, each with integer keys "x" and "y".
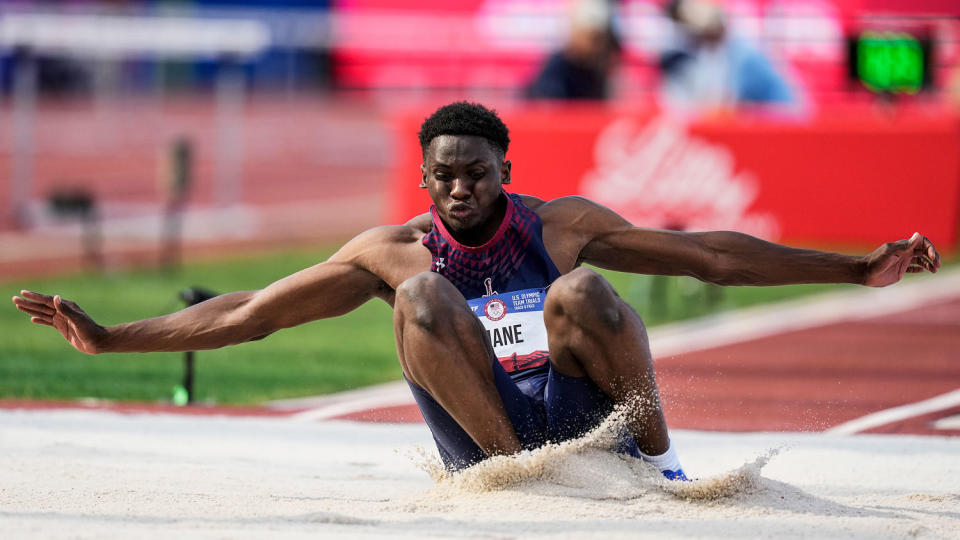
{"x": 950, "y": 422}
{"x": 384, "y": 395}
{"x": 756, "y": 322}
{"x": 340, "y": 409}
{"x": 896, "y": 414}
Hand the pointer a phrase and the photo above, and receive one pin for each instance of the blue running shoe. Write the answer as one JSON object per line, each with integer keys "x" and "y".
{"x": 675, "y": 475}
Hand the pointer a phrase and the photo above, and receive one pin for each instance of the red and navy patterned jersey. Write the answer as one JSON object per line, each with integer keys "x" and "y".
{"x": 504, "y": 281}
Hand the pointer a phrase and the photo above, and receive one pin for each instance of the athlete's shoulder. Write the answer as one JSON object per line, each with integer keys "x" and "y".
{"x": 390, "y": 234}
{"x": 577, "y": 219}
{"x": 391, "y": 252}
{"x": 535, "y": 203}
{"x": 564, "y": 207}
{"x": 421, "y": 224}
{"x": 531, "y": 202}
{"x": 379, "y": 241}
{"x": 558, "y": 205}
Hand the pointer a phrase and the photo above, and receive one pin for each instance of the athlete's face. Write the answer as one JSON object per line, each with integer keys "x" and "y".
{"x": 463, "y": 175}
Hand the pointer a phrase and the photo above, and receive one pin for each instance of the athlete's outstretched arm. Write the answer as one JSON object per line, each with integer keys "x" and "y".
{"x": 328, "y": 289}
{"x": 731, "y": 258}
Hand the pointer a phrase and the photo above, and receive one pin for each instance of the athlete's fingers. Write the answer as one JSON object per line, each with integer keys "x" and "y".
{"x": 35, "y": 312}
{"x": 23, "y": 300}
{"x": 921, "y": 261}
{"x": 38, "y": 320}
{"x": 62, "y": 305}
{"x": 22, "y": 308}
{"x": 32, "y": 304}
{"x": 921, "y": 245}
{"x": 22, "y": 303}
{"x": 931, "y": 252}
{"x": 67, "y": 309}
{"x": 37, "y": 297}
{"x": 914, "y": 269}
{"x": 915, "y": 240}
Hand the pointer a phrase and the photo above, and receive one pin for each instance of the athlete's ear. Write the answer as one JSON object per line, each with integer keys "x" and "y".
{"x": 423, "y": 175}
{"x": 505, "y": 172}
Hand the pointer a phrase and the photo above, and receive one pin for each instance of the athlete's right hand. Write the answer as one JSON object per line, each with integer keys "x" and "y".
{"x": 72, "y": 322}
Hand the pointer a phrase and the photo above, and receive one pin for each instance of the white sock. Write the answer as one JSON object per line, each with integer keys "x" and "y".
{"x": 667, "y": 461}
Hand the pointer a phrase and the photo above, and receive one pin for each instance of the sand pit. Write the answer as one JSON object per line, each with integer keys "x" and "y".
{"x": 95, "y": 474}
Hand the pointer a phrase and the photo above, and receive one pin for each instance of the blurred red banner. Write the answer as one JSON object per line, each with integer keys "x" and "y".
{"x": 849, "y": 178}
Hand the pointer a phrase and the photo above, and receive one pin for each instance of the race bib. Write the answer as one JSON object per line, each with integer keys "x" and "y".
{"x": 514, "y": 325}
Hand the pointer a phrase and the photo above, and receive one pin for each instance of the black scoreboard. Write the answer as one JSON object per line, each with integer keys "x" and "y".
{"x": 890, "y": 62}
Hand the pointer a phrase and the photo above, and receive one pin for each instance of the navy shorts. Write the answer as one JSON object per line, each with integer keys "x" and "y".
{"x": 545, "y": 406}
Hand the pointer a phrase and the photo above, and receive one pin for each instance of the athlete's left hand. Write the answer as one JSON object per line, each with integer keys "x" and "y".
{"x": 889, "y": 262}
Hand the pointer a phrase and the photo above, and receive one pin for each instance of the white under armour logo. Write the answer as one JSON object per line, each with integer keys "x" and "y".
{"x": 440, "y": 264}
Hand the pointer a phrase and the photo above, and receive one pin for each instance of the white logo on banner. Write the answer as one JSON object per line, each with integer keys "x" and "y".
{"x": 660, "y": 176}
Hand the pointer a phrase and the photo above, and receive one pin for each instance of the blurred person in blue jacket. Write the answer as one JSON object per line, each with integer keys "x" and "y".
{"x": 705, "y": 66}
{"x": 581, "y": 69}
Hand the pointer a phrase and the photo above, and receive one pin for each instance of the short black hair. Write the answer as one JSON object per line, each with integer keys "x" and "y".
{"x": 464, "y": 118}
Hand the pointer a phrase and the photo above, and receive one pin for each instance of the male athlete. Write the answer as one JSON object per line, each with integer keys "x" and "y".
{"x": 505, "y": 340}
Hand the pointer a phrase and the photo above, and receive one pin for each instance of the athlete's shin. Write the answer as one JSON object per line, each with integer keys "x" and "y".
{"x": 593, "y": 333}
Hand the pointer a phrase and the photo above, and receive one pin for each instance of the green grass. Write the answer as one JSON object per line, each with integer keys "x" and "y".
{"x": 317, "y": 358}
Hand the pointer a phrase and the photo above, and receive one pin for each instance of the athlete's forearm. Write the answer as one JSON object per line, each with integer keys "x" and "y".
{"x": 218, "y": 322}
{"x": 721, "y": 257}
{"x": 328, "y": 289}
{"x": 740, "y": 259}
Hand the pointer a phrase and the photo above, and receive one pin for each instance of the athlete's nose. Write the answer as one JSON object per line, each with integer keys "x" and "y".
{"x": 459, "y": 189}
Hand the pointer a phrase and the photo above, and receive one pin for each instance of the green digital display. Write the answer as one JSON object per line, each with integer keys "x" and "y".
{"x": 892, "y": 62}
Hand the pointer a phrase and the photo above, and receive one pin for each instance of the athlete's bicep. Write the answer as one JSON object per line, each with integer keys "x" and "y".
{"x": 329, "y": 289}
{"x": 614, "y": 243}
{"x": 649, "y": 251}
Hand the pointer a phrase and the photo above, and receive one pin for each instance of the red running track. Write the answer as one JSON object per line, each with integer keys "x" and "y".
{"x": 817, "y": 378}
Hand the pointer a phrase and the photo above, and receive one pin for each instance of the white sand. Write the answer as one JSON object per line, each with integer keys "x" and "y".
{"x": 84, "y": 474}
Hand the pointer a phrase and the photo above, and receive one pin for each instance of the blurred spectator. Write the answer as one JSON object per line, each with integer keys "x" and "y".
{"x": 706, "y": 67}
{"x": 581, "y": 69}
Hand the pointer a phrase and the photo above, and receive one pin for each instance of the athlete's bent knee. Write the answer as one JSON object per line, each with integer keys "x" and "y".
{"x": 425, "y": 299}
{"x": 583, "y": 295}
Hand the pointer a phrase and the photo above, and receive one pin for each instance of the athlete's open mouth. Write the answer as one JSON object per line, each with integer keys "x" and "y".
{"x": 460, "y": 210}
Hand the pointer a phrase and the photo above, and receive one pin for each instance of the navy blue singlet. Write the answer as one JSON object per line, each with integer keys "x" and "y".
{"x": 504, "y": 282}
